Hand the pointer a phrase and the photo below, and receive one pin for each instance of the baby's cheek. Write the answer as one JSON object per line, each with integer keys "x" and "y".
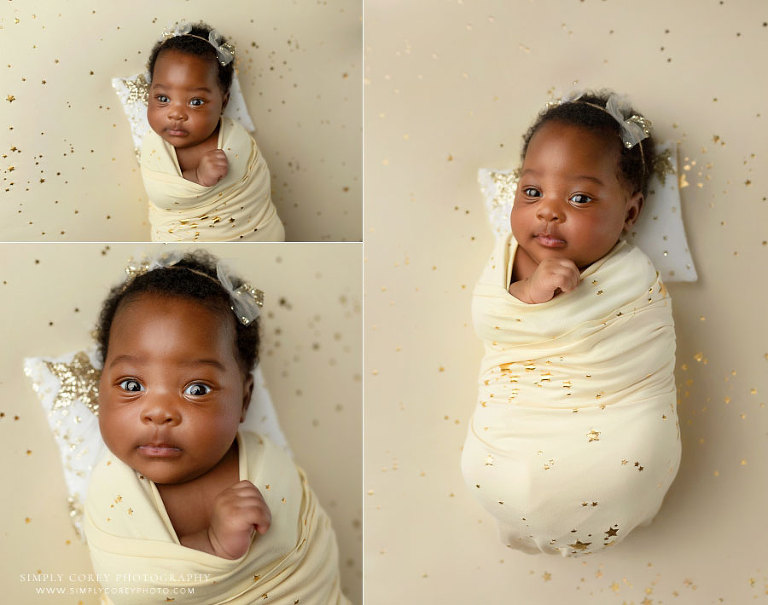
{"x": 516, "y": 221}
{"x": 153, "y": 120}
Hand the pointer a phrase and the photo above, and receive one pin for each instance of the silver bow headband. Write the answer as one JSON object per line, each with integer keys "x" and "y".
{"x": 246, "y": 301}
{"x": 634, "y": 129}
{"x": 224, "y": 50}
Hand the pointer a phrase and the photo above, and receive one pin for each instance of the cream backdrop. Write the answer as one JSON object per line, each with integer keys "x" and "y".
{"x": 450, "y": 87}
{"x": 311, "y": 358}
{"x": 67, "y": 166}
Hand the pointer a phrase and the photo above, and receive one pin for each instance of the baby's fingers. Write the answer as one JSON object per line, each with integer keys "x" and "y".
{"x": 568, "y": 279}
{"x": 251, "y": 505}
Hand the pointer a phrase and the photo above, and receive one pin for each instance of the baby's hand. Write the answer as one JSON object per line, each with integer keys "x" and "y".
{"x": 237, "y": 512}
{"x": 212, "y": 168}
{"x": 551, "y": 277}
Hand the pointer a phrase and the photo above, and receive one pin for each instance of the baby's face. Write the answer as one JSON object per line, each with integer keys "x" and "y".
{"x": 185, "y": 100}
{"x": 172, "y": 393}
{"x": 569, "y": 201}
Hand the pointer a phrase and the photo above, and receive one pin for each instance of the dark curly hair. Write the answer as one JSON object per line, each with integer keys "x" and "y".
{"x": 195, "y": 46}
{"x": 635, "y": 164}
{"x": 199, "y": 283}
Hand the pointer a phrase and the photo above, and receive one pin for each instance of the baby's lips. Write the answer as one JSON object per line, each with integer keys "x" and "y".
{"x": 549, "y": 240}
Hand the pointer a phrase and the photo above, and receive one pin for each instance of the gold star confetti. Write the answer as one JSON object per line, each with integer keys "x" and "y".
{"x": 611, "y": 532}
{"x": 547, "y": 576}
{"x": 579, "y": 545}
{"x": 10, "y": 98}
{"x": 593, "y": 435}
{"x": 79, "y": 380}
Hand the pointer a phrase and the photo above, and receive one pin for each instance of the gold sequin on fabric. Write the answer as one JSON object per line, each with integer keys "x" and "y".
{"x": 138, "y": 89}
{"x": 506, "y": 186}
{"x": 662, "y": 166}
{"x": 75, "y": 512}
{"x": 79, "y": 380}
{"x": 579, "y": 545}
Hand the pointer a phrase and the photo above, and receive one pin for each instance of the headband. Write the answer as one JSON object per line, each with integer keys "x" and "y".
{"x": 224, "y": 50}
{"x": 634, "y": 128}
{"x": 246, "y": 301}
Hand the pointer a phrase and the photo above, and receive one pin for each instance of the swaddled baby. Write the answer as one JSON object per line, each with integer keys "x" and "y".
{"x": 574, "y": 440}
{"x": 205, "y": 176}
{"x": 185, "y": 506}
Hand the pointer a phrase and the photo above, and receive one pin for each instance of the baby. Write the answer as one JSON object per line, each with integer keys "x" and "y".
{"x": 205, "y": 177}
{"x": 184, "y": 505}
{"x": 574, "y": 440}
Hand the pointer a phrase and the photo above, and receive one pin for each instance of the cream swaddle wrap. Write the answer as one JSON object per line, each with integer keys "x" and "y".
{"x": 239, "y": 207}
{"x": 574, "y": 440}
{"x": 139, "y": 559}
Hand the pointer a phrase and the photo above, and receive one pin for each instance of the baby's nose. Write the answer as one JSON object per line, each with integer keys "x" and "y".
{"x": 178, "y": 112}
{"x": 160, "y": 412}
{"x": 549, "y": 210}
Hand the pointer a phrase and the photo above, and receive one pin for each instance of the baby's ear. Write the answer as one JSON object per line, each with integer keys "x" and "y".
{"x": 633, "y": 207}
{"x": 247, "y": 392}
{"x": 225, "y": 101}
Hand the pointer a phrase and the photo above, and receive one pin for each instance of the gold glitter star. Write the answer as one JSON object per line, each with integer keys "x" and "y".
{"x": 10, "y": 98}
{"x": 137, "y": 89}
{"x": 593, "y": 435}
{"x": 611, "y": 532}
{"x": 78, "y": 380}
{"x": 579, "y": 545}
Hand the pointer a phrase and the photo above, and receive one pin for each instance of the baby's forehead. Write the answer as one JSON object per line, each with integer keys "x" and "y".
{"x": 160, "y": 317}
{"x": 179, "y": 305}
{"x": 199, "y": 63}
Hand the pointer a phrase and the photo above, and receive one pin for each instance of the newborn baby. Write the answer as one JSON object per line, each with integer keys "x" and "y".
{"x": 574, "y": 440}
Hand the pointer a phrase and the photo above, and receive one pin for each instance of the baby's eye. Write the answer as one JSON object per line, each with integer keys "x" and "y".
{"x": 197, "y": 390}
{"x": 132, "y": 386}
{"x": 532, "y": 192}
{"x": 161, "y": 98}
{"x": 197, "y": 102}
{"x": 580, "y": 198}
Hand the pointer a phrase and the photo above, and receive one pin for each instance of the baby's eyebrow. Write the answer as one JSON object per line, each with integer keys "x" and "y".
{"x": 124, "y": 358}
{"x": 587, "y": 177}
{"x": 578, "y": 177}
{"x": 207, "y": 362}
{"x": 127, "y": 358}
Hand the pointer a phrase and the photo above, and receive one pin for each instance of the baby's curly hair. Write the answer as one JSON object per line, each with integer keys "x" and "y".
{"x": 635, "y": 164}
{"x": 198, "y": 283}
{"x": 194, "y": 46}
